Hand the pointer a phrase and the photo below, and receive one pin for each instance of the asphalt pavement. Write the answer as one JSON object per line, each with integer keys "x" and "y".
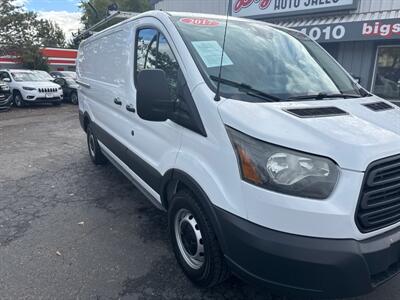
{"x": 72, "y": 230}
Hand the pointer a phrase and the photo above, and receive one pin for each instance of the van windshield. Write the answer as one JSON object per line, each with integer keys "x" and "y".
{"x": 285, "y": 64}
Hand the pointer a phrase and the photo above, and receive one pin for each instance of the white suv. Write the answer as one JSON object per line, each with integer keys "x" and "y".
{"x": 28, "y": 87}
{"x": 271, "y": 161}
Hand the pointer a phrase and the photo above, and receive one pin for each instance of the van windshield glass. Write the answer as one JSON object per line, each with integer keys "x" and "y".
{"x": 275, "y": 61}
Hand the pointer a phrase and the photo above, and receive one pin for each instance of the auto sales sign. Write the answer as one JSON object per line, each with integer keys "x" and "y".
{"x": 274, "y": 8}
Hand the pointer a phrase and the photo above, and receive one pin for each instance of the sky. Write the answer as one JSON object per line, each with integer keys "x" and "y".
{"x": 64, "y": 12}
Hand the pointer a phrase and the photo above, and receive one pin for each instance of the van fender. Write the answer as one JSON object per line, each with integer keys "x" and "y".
{"x": 173, "y": 179}
{"x": 85, "y": 117}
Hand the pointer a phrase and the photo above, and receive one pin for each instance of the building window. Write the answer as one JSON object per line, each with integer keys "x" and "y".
{"x": 387, "y": 73}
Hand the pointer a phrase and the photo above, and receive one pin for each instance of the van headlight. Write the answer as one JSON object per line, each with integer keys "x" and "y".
{"x": 283, "y": 170}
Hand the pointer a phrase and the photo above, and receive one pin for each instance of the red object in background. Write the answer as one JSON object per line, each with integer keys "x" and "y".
{"x": 55, "y": 56}
{"x": 60, "y": 69}
{"x": 59, "y": 53}
{"x": 240, "y": 4}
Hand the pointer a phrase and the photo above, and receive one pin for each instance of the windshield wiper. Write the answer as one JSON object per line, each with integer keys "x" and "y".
{"x": 321, "y": 96}
{"x": 248, "y": 89}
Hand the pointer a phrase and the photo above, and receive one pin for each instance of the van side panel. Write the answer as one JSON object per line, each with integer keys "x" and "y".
{"x": 210, "y": 160}
{"x": 104, "y": 62}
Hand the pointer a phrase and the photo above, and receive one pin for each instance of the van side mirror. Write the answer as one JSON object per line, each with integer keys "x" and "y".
{"x": 6, "y": 79}
{"x": 153, "y": 100}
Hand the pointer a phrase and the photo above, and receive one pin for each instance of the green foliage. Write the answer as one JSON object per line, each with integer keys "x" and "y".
{"x": 33, "y": 59}
{"x": 49, "y": 34}
{"x": 23, "y": 31}
{"x": 73, "y": 44}
{"x": 90, "y": 18}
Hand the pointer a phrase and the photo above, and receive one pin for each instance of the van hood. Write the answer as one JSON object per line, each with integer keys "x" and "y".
{"x": 353, "y": 140}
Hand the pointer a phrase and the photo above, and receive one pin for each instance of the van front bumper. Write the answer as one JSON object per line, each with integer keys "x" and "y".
{"x": 304, "y": 266}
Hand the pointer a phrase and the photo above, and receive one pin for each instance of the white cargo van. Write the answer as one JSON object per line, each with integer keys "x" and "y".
{"x": 281, "y": 169}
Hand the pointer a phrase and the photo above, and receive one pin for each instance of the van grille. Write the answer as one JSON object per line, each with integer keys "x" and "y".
{"x": 379, "y": 204}
{"x": 47, "y": 90}
{"x": 378, "y": 106}
{"x": 316, "y": 112}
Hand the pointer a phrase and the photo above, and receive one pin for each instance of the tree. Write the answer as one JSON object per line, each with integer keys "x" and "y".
{"x": 49, "y": 34}
{"x": 23, "y": 31}
{"x": 73, "y": 44}
{"x": 32, "y": 58}
{"x": 91, "y": 16}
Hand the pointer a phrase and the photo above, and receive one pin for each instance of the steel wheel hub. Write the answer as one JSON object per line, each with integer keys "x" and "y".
{"x": 189, "y": 239}
{"x": 91, "y": 145}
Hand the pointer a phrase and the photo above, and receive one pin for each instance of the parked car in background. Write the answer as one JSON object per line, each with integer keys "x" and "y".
{"x": 44, "y": 75}
{"x": 5, "y": 97}
{"x": 63, "y": 74}
{"x": 29, "y": 88}
{"x": 70, "y": 88}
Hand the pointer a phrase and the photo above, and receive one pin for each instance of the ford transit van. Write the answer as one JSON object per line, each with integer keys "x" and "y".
{"x": 272, "y": 163}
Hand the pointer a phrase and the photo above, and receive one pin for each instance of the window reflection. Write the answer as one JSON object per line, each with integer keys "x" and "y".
{"x": 154, "y": 52}
{"x": 387, "y": 78}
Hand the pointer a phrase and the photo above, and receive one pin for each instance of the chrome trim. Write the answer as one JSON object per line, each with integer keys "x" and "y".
{"x": 127, "y": 172}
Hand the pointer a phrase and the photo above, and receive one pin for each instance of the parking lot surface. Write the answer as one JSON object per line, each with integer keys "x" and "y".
{"x": 72, "y": 230}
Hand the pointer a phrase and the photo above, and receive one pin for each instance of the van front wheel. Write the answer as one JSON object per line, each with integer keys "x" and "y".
{"x": 194, "y": 242}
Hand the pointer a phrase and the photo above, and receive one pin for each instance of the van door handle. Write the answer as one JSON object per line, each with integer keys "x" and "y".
{"x": 130, "y": 108}
{"x": 117, "y": 101}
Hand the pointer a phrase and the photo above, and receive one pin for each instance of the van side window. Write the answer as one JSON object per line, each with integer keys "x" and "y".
{"x": 154, "y": 52}
{"x": 146, "y": 52}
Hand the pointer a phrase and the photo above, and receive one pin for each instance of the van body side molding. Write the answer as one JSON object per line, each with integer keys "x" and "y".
{"x": 146, "y": 172}
{"x": 84, "y": 84}
{"x": 119, "y": 165}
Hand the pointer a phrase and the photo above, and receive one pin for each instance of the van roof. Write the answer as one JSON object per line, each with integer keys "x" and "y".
{"x": 166, "y": 14}
{"x": 200, "y": 15}
{"x": 162, "y": 14}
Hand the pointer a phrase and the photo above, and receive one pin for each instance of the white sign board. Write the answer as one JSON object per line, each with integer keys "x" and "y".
{"x": 274, "y": 8}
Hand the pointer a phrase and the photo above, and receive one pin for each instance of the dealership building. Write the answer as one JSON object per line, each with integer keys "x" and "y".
{"x": 363, "y": 35}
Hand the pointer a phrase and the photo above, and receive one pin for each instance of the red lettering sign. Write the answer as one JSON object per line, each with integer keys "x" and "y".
{"x": 240, "y": 4}
{"x": 200, "y": 22}
{"x": 381, "y": 29}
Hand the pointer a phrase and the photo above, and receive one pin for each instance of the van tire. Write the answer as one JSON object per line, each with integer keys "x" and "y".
{"x": 213, "y": 270}
{"x": 95, "y": 153}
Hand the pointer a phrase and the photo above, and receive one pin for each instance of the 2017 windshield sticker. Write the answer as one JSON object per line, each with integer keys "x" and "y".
{"x": 210, "y": 52}
{"x": 200, "y": 22}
